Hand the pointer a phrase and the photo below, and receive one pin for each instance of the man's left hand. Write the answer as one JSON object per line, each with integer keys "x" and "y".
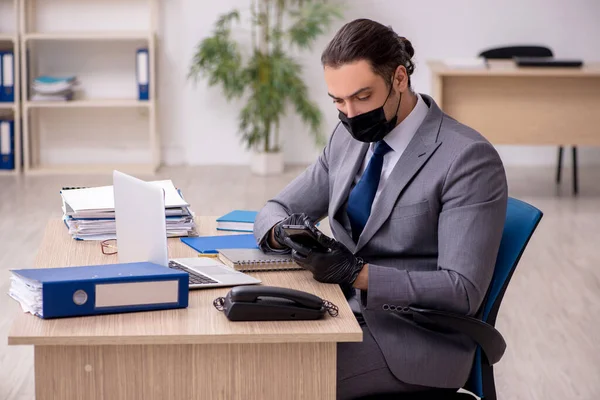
{"x": 334, "y": 264}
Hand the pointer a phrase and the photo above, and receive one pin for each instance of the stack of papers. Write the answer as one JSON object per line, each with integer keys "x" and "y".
{"x": 89, "y": 213}
{"x": 27, "y": 292}
{"x": 473, "y": 62}
{"x": 52, "y": 88}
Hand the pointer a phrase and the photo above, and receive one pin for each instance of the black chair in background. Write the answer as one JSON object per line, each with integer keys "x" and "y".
{"x": 508, "y": 52}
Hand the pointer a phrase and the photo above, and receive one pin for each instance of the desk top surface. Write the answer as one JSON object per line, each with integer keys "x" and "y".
{"x": 198, "y": 324}
{"x": 509, "y": 68}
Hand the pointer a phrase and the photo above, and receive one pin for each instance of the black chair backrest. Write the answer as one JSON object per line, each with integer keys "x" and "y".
{"x": 509, "y": 52}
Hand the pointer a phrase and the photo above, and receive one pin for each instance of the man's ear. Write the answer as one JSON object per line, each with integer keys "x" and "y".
{"x": 401, "y": 79}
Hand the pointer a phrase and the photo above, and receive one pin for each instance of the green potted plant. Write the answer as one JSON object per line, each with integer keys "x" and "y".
{"x": 268, "y": 78}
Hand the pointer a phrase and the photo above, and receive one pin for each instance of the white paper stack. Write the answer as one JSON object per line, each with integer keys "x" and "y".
{"x": 27, "y": 292}
{"x": 89, "y": 213}
{"x": 50, "y": 88}
{"x": 467, "y": 63}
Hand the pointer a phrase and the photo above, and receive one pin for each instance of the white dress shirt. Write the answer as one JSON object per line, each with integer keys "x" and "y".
{"x": 398, "y": 139}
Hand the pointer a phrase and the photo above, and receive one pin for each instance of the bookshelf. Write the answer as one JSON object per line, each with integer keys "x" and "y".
{"x": 91, "y": 49}
{"x": 88, "y": 103}
{"x": 7, "y": 37}
{"x": 9, "y": 40}
{"x": 87, "y": 36}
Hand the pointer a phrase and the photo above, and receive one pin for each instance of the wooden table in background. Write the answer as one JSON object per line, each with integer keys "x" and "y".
{"x": 523, "y": 106}
{"x": 193, "y": 353}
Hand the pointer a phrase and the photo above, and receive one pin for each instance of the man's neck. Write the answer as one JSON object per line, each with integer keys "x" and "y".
{"x": 407, "y": 104}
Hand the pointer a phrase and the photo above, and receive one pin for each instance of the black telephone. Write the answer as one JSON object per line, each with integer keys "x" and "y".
{"x": 268, "y": 303}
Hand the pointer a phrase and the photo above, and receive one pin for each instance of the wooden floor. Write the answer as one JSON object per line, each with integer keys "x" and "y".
{"x": 550, "y": 317}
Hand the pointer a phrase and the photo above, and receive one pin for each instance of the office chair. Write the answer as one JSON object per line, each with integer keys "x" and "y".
{"x": 509, "y": 52}
{"x": 521, "y": 222}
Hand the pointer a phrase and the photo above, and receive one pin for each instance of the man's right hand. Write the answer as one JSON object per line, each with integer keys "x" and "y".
{"x": 277, "y": 235}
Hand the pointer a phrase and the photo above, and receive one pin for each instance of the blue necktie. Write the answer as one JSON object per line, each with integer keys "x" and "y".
{"x": 362, "y": 196}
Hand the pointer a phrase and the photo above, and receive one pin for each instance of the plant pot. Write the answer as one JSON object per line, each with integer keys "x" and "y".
{"x": 267, "y": 163}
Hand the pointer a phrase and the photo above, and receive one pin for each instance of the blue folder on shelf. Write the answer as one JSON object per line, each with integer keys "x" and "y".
{"x": 7, "y": 144}
{"x": 143, "y": 74}
{"x": 237, "y": 221}
{"x": 7, "y": 77}
{"x": 210, "y": 244}
{"x": 99, "y": 289}
{"x": 1, "y": 79}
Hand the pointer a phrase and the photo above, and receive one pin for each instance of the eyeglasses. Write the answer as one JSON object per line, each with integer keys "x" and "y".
{"x": 109, "y": 247}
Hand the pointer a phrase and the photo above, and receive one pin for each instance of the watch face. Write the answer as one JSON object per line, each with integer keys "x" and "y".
{"x": 80, "y": 297}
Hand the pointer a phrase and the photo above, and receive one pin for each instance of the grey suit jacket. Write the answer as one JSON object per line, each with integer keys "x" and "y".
{"x": 431, "y": 240}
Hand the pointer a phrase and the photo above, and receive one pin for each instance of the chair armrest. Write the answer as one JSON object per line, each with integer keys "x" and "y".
{"x": 485, "y": 335}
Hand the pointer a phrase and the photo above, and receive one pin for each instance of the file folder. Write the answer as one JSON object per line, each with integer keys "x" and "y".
{"x": 7, "y": 145}
{"x": 8, "y": 77}
{"x": 99, "y": 289}
{"x": 143, "y": 74}
{"x": 1, "y": 78}
{"x": 211, "y": 244}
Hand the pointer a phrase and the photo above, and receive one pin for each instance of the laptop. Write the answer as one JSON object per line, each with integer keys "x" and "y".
{"x": 142, "y": 236}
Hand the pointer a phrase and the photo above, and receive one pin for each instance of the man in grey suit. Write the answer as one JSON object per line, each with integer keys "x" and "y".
{"x": 416, "y": 203}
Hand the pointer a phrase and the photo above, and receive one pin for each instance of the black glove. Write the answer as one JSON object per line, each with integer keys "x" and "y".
{"x": 295, "y": 219}
{"x": 334, "y": 264}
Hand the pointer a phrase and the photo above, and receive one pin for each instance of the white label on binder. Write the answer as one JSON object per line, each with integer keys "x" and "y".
{"x": 4, "y": 138}
{"x": 142, "y": 68}
{"x": 137, "y": 293}
{"x": 7, "y": 70}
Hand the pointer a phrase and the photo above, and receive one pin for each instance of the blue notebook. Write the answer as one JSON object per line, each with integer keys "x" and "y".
{"x": 210, "y": 244}
{"x": 99, "y": 289}
{"x": 237, "y": 221}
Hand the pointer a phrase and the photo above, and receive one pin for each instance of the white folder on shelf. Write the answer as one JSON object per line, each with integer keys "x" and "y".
{"x": 8, "y": 77}
{"x": 143, "y": 74}
{"x": 1, "y": 78}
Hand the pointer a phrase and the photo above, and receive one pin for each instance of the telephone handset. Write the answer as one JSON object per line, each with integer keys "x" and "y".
{"x": 268, "y": 303}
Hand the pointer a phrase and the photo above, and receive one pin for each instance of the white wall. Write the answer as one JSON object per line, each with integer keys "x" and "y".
{"x": 198, "y": 126}
{"x": 198, "y": 120}
{"x": 7, "y": 21}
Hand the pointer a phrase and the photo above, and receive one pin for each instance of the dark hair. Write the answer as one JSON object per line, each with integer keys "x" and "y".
{"x": 363, "y": 39}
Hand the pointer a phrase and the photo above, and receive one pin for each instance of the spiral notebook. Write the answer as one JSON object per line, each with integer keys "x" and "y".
{"x": 246, "y": 260}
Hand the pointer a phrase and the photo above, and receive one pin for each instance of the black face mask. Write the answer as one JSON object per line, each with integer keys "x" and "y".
{"x": 372, "y": 126}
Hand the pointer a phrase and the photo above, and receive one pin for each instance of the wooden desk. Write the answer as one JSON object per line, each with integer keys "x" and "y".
{"x": 193, "y": 353}
{"x": 524, "y": 106}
